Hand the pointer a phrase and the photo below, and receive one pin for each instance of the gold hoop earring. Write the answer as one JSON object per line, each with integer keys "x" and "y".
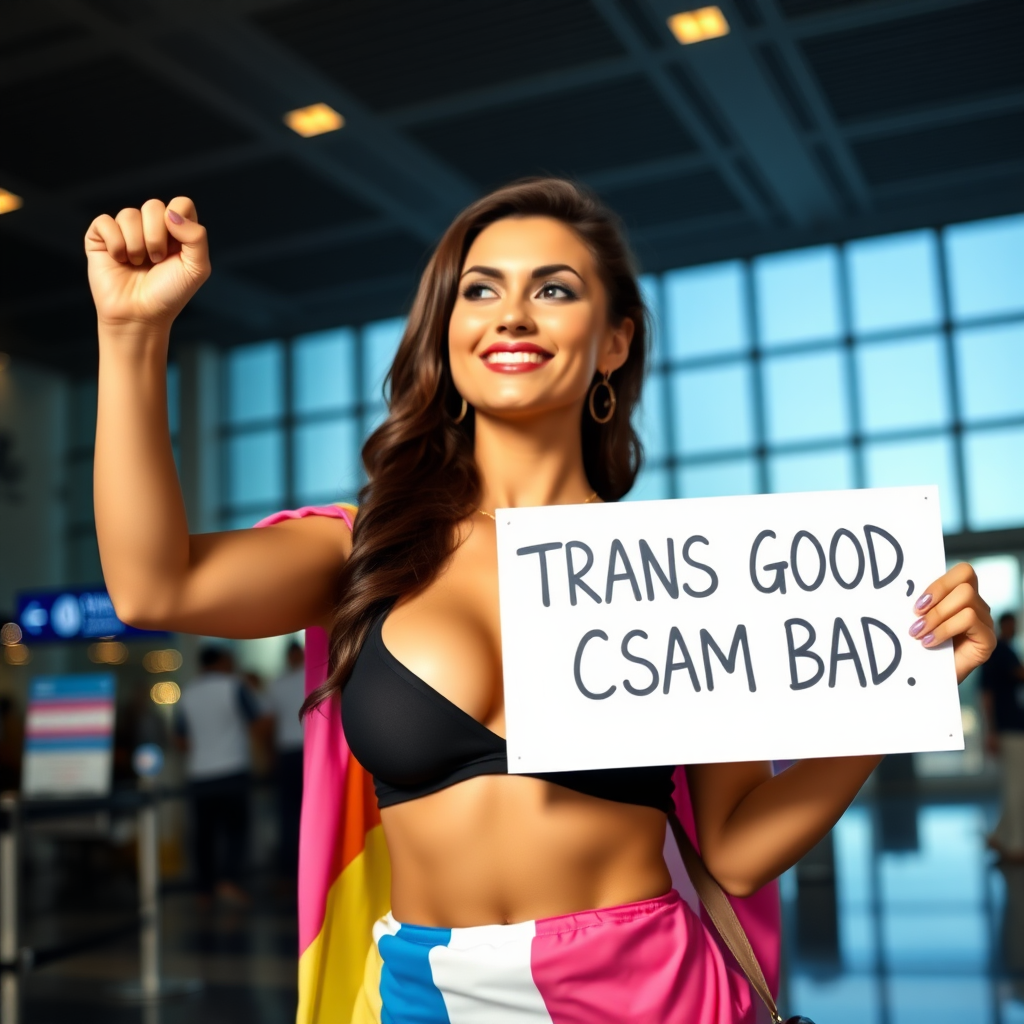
{"x": 611, "y": 399}
{"x": 462, "y": 411}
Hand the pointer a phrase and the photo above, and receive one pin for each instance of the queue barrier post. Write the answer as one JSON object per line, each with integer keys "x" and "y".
{"x": 149, "y": 896}
{"x": 10, "y": 952}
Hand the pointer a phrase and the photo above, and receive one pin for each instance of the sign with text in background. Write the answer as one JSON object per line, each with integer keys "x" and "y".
{"x": 69, "y": 736}
{"x": 765, "y": 627}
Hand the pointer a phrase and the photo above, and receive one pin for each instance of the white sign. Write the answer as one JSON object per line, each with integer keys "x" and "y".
{"x": 722, "y": 629}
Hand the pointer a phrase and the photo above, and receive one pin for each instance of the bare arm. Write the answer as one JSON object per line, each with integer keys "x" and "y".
{"x": 752, "y": 826}
{"x": 144, "y": 266}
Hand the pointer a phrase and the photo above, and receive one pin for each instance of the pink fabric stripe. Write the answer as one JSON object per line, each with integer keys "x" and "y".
{"x": 325, "y": 773}
{"x": 325, "y": 768}
{"x": 647, "y": 963}
{"x": 331, "y": 511}
{"x": 760, "y": 914}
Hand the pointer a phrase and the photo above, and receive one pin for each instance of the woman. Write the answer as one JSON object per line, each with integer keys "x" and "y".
{"x": 513, "y": 386}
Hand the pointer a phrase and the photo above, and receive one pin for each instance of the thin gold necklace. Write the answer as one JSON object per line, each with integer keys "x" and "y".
{"x": 490, "y": 515}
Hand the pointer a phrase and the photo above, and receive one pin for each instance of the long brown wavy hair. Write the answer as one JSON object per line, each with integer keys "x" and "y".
{"x": 421, "y": 473}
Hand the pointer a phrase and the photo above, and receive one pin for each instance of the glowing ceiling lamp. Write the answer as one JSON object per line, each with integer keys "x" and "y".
{"x": 314, "y": 120}
{"x": 696, "y": 26}
{"x": 9, "y": 202}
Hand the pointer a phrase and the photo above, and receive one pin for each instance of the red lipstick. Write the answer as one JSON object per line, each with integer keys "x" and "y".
{"x": 514, "y": 357}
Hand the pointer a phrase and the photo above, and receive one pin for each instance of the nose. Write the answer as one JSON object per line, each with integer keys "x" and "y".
{"x": 515, "y": 320}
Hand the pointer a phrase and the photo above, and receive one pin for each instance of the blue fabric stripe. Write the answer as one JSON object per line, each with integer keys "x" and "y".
{"x": 407, "y": 990}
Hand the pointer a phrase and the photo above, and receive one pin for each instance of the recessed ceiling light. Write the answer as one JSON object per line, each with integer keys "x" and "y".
{"x": 696, "y": 26}
{"x": 9, "y": 202}
{"x": 314, "y": 120}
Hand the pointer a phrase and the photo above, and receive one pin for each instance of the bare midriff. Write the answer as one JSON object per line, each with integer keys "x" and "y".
{"x": 498, "y": 849}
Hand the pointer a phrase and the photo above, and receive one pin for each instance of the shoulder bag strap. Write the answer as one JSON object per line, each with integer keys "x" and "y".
{"x": 724, "y": 918}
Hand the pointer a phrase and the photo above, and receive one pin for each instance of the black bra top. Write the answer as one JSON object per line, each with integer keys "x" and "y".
{"x": 414, "y": 741}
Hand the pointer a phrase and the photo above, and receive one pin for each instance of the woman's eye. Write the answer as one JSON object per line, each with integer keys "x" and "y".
{"x": 479, "y": 290}
{"x": 554, "y": 290}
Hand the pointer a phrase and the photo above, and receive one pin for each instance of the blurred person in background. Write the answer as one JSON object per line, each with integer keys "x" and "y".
{"x": 214, "y": 721}
{"x": 11, "y": 730}
{"x": 284, "y": 700}
{"x": 1002, "y": 703}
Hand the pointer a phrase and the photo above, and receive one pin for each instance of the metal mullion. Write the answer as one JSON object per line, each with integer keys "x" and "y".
{"x": 287, "y": 424}
{"x": 957, "y": 427}
{"x": 755, "y": 357}
{"x": 856, "y": 437}
{"x": 663, "y": 373}
{"x": 360, "y": 411}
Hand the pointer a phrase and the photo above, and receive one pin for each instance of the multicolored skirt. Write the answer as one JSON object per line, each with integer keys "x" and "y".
{"x": 650, "y": 962}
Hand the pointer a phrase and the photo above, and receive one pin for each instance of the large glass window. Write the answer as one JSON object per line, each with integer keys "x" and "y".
{"x": 886, "y": 361}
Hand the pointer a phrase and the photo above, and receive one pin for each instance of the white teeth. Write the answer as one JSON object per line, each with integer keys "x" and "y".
{"x": 514, "y": 357}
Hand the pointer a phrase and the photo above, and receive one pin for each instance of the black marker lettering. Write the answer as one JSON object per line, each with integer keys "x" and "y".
{"x": 778, "y": 567}
{"x": 833, "y": 548}
{"x": 576, "y": 578}
{"x": 876, "y": 676}
{"x": 618, "y": 551}
{"x": 839, "y": 629}
{"x": 649, "y": 562}
{"x": 542, "y": 550}
{"x": 869, "y": 532}
{"x": 803, "y": 651}
{"x": 713, "y": 584}
{"x": 653, "y": 685}
{"x": 593, "y": 634}
{"x": 822, "y": 564}
{"x": 707, "y": 645}
{"x": 675, "y": 639}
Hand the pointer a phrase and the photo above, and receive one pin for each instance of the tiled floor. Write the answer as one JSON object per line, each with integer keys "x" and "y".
{"x": 906, "y": 922}
{"x": 244, "y": 961}
{"x": 929, "y": 930}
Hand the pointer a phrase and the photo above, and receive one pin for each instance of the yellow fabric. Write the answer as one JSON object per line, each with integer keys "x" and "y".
{"x": 332, "y": 968}
{"x": 369, "y": 1002}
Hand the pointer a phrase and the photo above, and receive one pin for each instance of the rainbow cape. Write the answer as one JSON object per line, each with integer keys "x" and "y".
{"x": 345, "y": 873}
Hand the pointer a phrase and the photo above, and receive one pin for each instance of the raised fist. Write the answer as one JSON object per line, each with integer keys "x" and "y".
{"x": 144, "y": 265}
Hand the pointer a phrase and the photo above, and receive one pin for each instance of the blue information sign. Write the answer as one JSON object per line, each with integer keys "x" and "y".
{"x": 75, "y": 613}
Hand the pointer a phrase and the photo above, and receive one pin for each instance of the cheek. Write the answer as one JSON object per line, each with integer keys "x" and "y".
{"x": 465, "y": 328}
{"x": 574, "y": 329}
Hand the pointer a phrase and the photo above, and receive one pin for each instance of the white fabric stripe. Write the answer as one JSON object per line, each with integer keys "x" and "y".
{"x": 484, "y": 976}
{"x": 386, "y": 925}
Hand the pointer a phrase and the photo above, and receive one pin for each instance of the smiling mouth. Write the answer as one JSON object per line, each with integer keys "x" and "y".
{"x": 515, "y": 359}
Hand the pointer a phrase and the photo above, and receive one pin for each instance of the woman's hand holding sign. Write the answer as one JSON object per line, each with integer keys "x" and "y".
{"x": 752, "y": 825}
{"x": 952, "y": 609}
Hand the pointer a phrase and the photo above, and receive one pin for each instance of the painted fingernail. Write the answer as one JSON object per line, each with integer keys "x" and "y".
{"x": 928, "y": 640}
{"x": 922, "y": 602}
{"x": 917, "y": 627}
{"x": 175, "y": 218}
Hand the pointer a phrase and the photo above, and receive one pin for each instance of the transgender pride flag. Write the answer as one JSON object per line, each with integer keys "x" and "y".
{"x": 69, "y": 730}
{"x": 345, "y": 873}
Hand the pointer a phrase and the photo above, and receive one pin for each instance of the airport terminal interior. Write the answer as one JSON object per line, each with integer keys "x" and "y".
{"x": 826, "y": 202}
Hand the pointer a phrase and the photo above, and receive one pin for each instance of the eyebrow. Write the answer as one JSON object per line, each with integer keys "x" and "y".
{"x": 545, "y": 271}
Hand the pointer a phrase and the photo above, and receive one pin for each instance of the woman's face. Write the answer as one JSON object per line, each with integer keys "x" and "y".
{"x": 530, "y": 324}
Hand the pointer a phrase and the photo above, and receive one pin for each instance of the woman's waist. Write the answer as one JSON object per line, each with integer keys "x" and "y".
{"x": 500, "y": 848}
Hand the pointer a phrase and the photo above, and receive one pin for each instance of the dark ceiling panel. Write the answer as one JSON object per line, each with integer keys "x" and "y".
{"x": 578, "y": 132}
{"x": 955, "y": 53}
{"x": 254, "y": 202}
{"x": 798, "y": 8}
{"x": 673, "y": 199}
{"x": 935, "y": 151}
{"x": 337, "y": 265}
{"x": 99, "y": 118}
{"x": 407, "y": 51}
{"x": 29, "y": 43}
